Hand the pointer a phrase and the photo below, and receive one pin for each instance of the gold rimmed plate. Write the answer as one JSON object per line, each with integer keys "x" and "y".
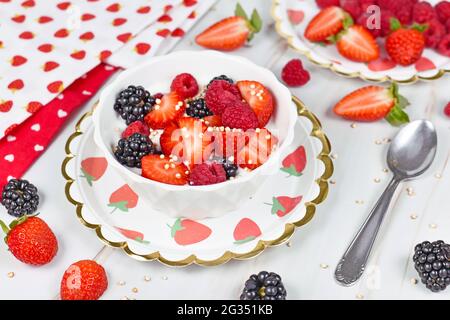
{"x": 121, "y": 219}
{"x": 291, "y": 19}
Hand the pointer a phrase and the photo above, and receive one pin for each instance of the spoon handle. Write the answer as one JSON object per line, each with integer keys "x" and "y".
{"x": 354, "y": 260}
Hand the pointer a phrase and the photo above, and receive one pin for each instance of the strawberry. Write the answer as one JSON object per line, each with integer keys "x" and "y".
{"x": 228, "y": 143}
{"x": 93, "y": 168}
{"x": 405, "y": 46}
{"x": 357, "y": 44}
{"x": 373, "y": 103}
{"x": 295, "y": 162}
{"x": 134, "y": 235}
{"x": 326, "y": 23}
{"x": 44, "y": 19}
{"x": 18, "y": 60}
{"x": 163, "y": 169}
{"x": 246, "y": 230}
{"x": 5, "y": 106}
{"x": 186, "y": 139}
{"x": 30, "y": 240}
{"x": 259, "y": 146}
{"x": 282, "y": 206}
{"x": 170, "y": 108}
{"x": 123, "y": 199}
{"x": 259, "y": 99}
{"x": 186, "y": 232}
{"x": 213, "y": 121}
{"x": 231, "y": 33}
{"x": 83, "y": 280}
{"x": 33, "y": 106}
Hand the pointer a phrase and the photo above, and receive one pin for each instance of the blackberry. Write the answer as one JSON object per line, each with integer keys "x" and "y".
{"x": 264, "y": 286}
{"x": 20, "y": 197}
{"x": 198, "y": 109}
{"x": 221, "y": 77}
{"x": 432, "y": 262}
{"x": 230, "y": 169}
{"x": 133, "y": 103}
{"x": 130, "y": 151}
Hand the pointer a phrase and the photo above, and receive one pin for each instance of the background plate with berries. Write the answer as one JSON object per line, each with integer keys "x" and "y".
{"x": 293, "y": 17}
{"x": 104, "y": 202}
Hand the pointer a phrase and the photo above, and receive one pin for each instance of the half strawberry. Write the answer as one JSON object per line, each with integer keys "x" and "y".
{"x": 373, "y": 103}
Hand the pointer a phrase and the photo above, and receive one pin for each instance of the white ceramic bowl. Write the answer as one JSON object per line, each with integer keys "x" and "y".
{"x": 195, "y": 202}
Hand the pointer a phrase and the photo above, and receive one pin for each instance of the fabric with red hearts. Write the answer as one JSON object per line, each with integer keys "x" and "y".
{"x": 24, "y": 143}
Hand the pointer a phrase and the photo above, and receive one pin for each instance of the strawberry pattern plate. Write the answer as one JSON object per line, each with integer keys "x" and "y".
{"x": 105, "y": 203}
{"x": 292, "y": 18}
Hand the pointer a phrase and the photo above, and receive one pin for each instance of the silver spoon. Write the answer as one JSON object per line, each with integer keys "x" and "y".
{"x": 410, "y": 154}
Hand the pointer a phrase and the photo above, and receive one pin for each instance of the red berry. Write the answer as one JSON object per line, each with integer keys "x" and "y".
{"x": 423, "y": 12}
{"x": 31, "y": 241}
{"x": 352, "y": 7}
{"x": 447, "y": 110}
{"x": 443, "y": 11}
{"x": 205, "y": 174}
{"x": 136, "y": 127}
{"x": 404, "y": 12}
{"x": 364, "y": 21}
{"x": 434, "y": 33}
{"x": 444, "y": 46}
{"x": 221, "y": 95}
{"x": 386, "y": 17}
{"x": 240, "y": 116}
{"x": 327, "y": 3}
{"x": 83, "y": 280}
{"x": 447, "y": 25}
{"x": 294, "y": 75}
{"x": 185, "y": 85}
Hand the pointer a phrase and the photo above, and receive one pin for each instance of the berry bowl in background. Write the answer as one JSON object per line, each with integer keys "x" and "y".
{"x": 292, "y": 18}
{"x": 194, "y": 202}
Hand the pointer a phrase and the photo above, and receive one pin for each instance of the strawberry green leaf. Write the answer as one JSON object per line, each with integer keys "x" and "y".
{"x": 248, "y": 239}
{"x": 121, "y": 205}
{"x": 402, "y": 102}
{"x": 88, "y": 177}
{"x": 333, "y": 38}
{"x": 395, "y": 24}
{"x": 176, "y": 227}
{"x": 292, "y": 171}
{"x": 397, "y": 116}
{"x": 256, "y": 21}
{"x": 420, "y": 27}
{"x": 4, "y": 227}
{"x": 277, "y": 206}
{"x": 348, "y": 21}
{"x": 140, "y": 240}
{"x": 240, "y": 12}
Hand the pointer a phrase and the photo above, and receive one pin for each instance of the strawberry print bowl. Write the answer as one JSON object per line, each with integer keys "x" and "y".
{"x": 294, "y": 17}
{"x": 122, "y": 218}
{"x": 189, "y": 200}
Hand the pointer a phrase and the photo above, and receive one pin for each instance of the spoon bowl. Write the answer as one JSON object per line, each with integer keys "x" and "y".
{"x": 412, "y": 150}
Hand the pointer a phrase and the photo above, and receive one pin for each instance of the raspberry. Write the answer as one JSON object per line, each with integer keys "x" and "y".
{"x": 293, "y": 73}
{"x": 366, "y": 4}
{"x": 221, "y": 95}
{"x": 443, "y": 11}
{"x": 352, "y": 7}
{"x": 434, "y": 33}
{"x": 444, "y": 46}
{"x": 185, "y": 85}
{"x": 205, "y": 174}
{"x": 240, "y": 116}
{"x": 363, "y": 21}
{"x": 136, "y": 127}
{"x": 386, "y": 17}
{"x": 423, "y": 12}
{"x": 447, "y": 25}
{"x": 327, "y": 3}
{"x": 404, "y": 13}
{"x": 447, "y": 110}
{"x": 390, "y": 5}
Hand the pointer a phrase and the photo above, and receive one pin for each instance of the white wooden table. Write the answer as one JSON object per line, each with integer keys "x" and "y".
{"x": 307, "y": 264}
